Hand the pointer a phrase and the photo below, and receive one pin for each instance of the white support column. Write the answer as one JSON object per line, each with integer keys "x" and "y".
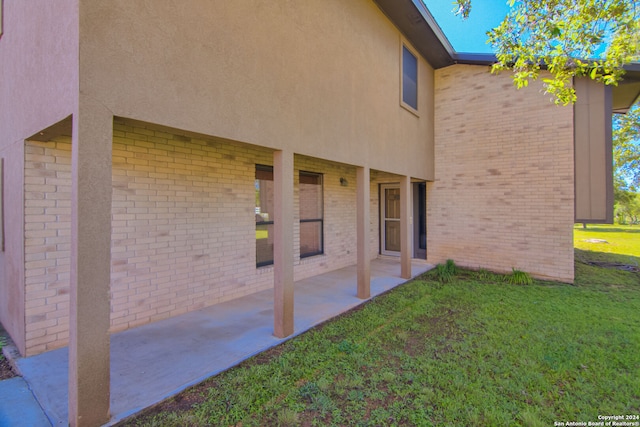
{"x": 283, "y": 243}
{"x": 405, "y": 227}
{"x": 89, "y": 361}
{"x": 363, "y": 233}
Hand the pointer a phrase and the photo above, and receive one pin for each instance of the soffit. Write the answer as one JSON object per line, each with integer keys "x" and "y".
{"x": 62, "y": 128}
{"x": 628, "y": 90}
{"x": 417, "y": 24}
{"x": 419, "y": 27}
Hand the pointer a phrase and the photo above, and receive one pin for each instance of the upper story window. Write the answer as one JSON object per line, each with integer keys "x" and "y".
{"x": 409, "y": 79}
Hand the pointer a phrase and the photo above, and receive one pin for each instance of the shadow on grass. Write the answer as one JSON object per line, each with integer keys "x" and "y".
{"x": 591, "y": 271}
{"x": 609, "y": 230}
{"x": 589, "y": 257}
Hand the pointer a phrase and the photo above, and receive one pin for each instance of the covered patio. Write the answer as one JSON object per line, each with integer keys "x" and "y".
{"x": 155, "y": 361}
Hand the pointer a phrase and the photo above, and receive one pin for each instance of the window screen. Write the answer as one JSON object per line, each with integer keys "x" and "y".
{"x": 409, "y": 78}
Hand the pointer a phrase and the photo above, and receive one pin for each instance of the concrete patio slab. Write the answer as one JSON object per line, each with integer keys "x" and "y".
{"x": 155, "y": 361}
{"x": 17, "y": 405}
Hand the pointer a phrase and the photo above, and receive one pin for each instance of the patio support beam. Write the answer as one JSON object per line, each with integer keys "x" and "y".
{"x": 283, "y": 243}
{"x": 363, "y": 237}
{"x": 405, "y": 227}
{"x": 89, "y": 360}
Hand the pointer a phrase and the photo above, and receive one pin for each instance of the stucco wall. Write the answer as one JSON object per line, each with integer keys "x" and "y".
{"x": 320, "y": 77}
{"x": 503, "y": 194}
{"x": 183, "y": 227}
{"x": 12, "y": 258}
{"x": 38, "y": 65}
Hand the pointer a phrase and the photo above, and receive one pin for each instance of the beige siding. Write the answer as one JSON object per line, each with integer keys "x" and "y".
{"x": 318, "y": 77}
{"x": 503, "y": 194}
{"x": 12, "y": 258}
{"x": 593, "y": 152}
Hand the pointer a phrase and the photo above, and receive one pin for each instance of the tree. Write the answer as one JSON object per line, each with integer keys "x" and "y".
{"x": 626, "y": 158}
{"x": 627, "y": 207}
{"x": 626, "y": 148}
{"x": 570, "y": 38}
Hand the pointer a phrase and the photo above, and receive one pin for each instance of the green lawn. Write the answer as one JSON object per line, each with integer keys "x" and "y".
{"x": 622, "y": 241}
{"x": 475, "y": 351}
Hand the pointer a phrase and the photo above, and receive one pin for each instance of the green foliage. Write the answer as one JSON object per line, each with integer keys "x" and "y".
{"x": 622, "y": 242}
{"x": 487, "y": 276}
{"x": 442, "y": 274}
{"x": 346, "y": 346}
{"x": 3, "y": 342}
{"x": 463, "y": 8}
{"x": 626, "y": 149}
{"x": 451, "y": 267}
{"x": 626, "y": 159}
{"x": 530, "y": 418}
{"x": 446, "y": 272}
{"x": 287, "y": 417}
{"x": 627, "y": 207}
{"x": 518, "y": 277}
{"x": 571, "y": 38}
{"x": 478, "y": 353}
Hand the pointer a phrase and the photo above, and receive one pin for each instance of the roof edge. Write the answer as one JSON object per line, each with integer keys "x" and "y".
{"x": 435, "y": 27}
{"x": 474, "y": 58}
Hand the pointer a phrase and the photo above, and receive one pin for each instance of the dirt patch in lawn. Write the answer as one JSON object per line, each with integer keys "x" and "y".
{"x": 617, "y": 266}
{"x": 5, "y": 369}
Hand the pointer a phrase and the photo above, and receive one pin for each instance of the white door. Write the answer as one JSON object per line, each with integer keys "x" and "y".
{"x": 390, "y": 219}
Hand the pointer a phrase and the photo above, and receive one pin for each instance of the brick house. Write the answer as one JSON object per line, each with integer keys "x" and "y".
{"x": 159, "y": 158}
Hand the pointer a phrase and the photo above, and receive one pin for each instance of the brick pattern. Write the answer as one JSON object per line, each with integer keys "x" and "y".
{"x": 183, "y": 217}
{"x": 503, "y": 196}
{"x": 183, "y": 227}
{"x": 47, "y": 210}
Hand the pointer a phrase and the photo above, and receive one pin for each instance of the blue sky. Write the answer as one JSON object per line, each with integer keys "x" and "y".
{"x": 468, "y": 36}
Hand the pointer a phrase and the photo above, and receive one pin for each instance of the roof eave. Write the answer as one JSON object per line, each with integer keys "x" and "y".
{"x": 420, "y": 28}
{"x": 627, "y": 92}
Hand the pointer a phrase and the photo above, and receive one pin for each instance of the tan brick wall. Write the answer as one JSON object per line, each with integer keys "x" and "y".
{"x": 503, "y": 196}
{"x": 183, "y": 217}
{"x": 47, "y": 243}
{"x": 339, "y": 216}
{"x": 183, "y": 227}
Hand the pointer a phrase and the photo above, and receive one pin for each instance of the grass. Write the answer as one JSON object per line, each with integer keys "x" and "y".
{"x": 472, "y": 351}
{"x": 622, "y": 242}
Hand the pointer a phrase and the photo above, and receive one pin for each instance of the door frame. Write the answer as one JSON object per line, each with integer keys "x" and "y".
{"x": 383, "y": 219}
{"x": 418, "y": 190}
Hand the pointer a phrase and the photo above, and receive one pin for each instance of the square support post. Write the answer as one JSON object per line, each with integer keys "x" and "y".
{"x": 283, "y": 244}
{"x": 405, "y": 227}
{"x": 363, "y": 232}
{"x": 89, "y": 311}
